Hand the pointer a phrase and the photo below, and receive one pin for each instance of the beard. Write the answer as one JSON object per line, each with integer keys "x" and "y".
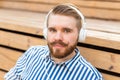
{"x": 57, "y": 52}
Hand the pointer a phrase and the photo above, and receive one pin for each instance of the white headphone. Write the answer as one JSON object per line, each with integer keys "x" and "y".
{"x": 82, "y": 32}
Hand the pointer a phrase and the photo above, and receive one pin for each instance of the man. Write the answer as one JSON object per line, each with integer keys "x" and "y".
{"x": 60, "y": 60}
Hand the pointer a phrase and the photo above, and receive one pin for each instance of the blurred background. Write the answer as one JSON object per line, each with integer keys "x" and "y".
{"x": 21, "y": 25}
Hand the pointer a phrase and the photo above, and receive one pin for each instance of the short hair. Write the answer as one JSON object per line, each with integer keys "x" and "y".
{"x": 68, "y": 11}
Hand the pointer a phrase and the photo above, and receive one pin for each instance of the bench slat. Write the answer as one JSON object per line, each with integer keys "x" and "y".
{"x": 8, "y": 58}
{"x": 21, "y": 28}
{"x": 93, "y": 12}
{"x": 110, "y": 77}
{"x": 29, "y": 19}
{"x": 95, "y": 4}
{"x": 104, "y": 39}
{"x": 102, "y": 59}
{"x": 19, "y": 41}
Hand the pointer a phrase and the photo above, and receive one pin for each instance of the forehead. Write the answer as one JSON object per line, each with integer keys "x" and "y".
{"x": 57, "y": 20}
{"x": 61, "y": 20}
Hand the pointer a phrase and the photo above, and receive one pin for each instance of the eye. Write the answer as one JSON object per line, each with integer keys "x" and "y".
{"x": 51, "y": 30}
{"x": 66, "y": 30}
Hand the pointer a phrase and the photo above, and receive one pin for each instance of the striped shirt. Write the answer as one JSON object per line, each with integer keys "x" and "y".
{"x": 36, "y": 64}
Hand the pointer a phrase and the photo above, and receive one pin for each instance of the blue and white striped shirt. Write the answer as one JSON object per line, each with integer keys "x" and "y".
{"x": 36, "y": 64}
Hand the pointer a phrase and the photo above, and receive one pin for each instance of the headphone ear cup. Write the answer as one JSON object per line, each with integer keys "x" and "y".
{"x": 45, "y": 29}
{"x": 45, "y": 33}
{"x": 82, "y": 35}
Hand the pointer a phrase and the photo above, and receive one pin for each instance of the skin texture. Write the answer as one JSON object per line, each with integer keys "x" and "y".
{"x": 62, "y": 37}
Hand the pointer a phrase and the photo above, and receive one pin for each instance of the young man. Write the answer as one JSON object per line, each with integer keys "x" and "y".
{"x": 60, "y": 59}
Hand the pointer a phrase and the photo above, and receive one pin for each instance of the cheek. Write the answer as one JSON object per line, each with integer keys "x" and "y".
{"x": 72, "y": 39}
{"x": 49, "y": 37}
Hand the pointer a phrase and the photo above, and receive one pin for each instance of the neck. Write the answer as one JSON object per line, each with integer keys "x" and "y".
{"x": 60, "y": 60}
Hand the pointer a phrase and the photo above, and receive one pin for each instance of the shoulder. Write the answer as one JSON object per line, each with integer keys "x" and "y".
{"x": 36, "y": 50}
{"x": 89, "y": 67}
{"x": 38, "y": 47}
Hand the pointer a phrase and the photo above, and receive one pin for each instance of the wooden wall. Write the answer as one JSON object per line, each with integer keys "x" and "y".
{"x": 21, "y": 24}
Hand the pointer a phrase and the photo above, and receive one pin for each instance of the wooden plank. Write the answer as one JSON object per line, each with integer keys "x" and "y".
{"x": 104, "y": 39}
{"x": 93, "y": 12}
{"x": 101, "y": 59}
{"x": 2, "y": 75}
{"x": 25, "y": 6}
{"x": 112, "y": 63}
{"x": 104, "y": 35}
{"x": 8, "y": 58}
{"x": 103, "y": 25}
{"x": 30, "y": 19}
{"x": 95, "y": 4}
{"x": 21, "y": 28}
{"x": 100, "y": 13}
{"x": 19, "y": 41}
{"x": 113, "y": 28}
{"x": 110, "y": 77}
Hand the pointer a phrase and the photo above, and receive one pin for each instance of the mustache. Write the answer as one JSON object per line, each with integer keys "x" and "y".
{"x": 58, "y": 42}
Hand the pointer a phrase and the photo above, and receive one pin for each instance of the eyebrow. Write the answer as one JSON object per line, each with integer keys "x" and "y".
{"x": 67, "y": 28}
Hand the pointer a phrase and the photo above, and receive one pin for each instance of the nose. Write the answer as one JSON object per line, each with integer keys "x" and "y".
{"x": 58, "y": 36}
